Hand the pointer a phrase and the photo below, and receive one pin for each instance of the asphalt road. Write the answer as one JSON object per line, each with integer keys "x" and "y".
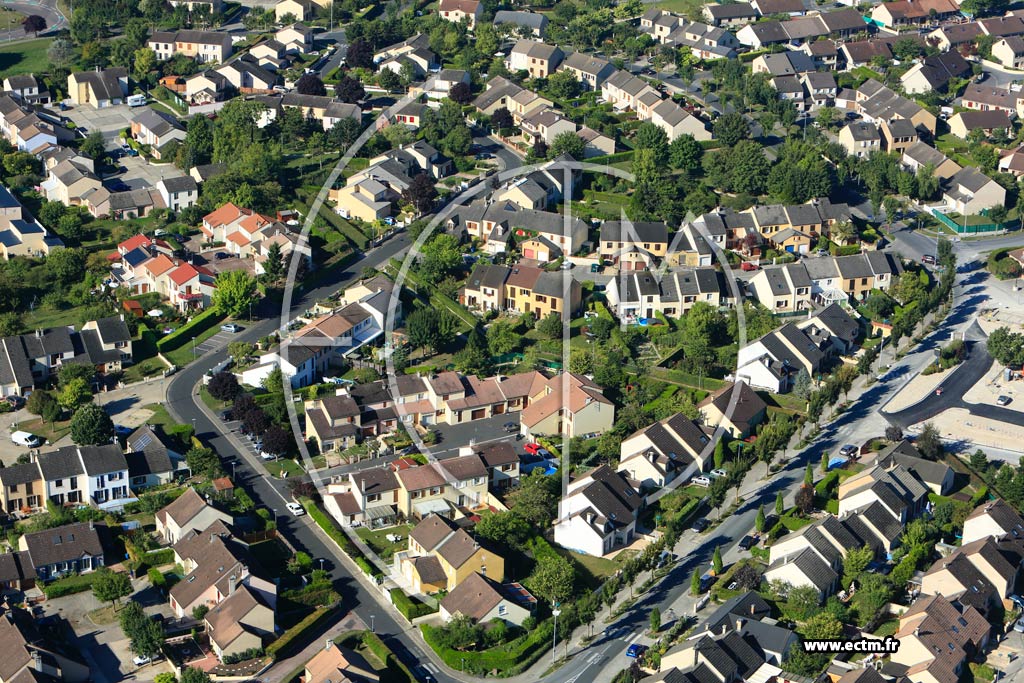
{"x": 47, "y": 9}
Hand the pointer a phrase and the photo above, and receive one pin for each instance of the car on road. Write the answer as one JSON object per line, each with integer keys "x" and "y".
{"x": 748, "y": 542}
{"x": 483, "y": 156}
{"x": 1003, "y": 401}
{"x": 295, "y": 509}
{"x": 230, "y": 327}
{"x": 929, "y": 259}
{"x": 1019, "y": 626}
{"x": 636, "y": 650}
{"x": 938, "y": 392}
{"x": 700, "y": 525}
{"x": 537, "y": 449}
{"x": 510, "y": 427}
{"x": 848, "y": 451}
{"x": 26, "y": 439}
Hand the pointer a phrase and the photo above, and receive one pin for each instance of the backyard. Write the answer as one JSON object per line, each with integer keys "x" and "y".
{"x": 379, "y": 543}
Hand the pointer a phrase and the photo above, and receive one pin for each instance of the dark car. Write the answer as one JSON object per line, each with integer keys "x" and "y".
{"x": 848, "y": 451}
{"x": 16, "y": 401}
{"x": 700, "y": 525}
{"x": 225, "y": 415}
{"x": 510, "y": 427}
{"x": 748, "y": 542}
{"x": 220, "y": 256}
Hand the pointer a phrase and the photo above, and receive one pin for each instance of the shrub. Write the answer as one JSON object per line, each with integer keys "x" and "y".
{"x": 410, "y": 609}
{"x": 156, "y": 577}
{"x": 245, "y": 655}
{"x": 74, "y": 583}
{"x": 199, "y": 611}
{"x": 288, "y": 637}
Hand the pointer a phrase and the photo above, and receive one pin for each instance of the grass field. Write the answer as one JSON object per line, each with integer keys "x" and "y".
{"x": 23, "y": 57}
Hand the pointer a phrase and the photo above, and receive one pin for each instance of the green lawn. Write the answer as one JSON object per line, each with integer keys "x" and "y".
{"x": 40, "y": 428}
{"x": 24, "y": 57}
{"x": 147, "y": 368}
{"x": 377, "y": 540}
{"x": 600, "y": 568}
{"x": 285, "y": 466}
{"x": 183, "y": 356}
{"x": 211, "y": 403}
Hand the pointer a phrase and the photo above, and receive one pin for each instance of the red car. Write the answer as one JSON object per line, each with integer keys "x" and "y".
{"x": 537, "y": 449}
{"x": 747, "y": 265}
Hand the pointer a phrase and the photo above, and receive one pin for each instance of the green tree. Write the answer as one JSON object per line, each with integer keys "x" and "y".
{"x": 979, "y": 461}
{"x": 567, "y": 142}
{"x": 145, "y": 61}
{"x": 422, "y": 329}
{"x": 823, "y": 626}
{"x": 719, "y": 454}
{"x": 685, "y": 153}
{"x": 506, "y": 529}
{"x": 802, "y": 384}
{"x": 235, "y": 293}
{"x": 194, "y": 675}
{"x": 74, "y": 393}
{"x": 40, "y": 402}
{"x": 110, "y": 586}
{"x": 203, "y": 462}
{"x": 550, "y": 326}
{"x": 93, "y": 145}
{"x": 502, "y": 338}
{"x": 759, "y": 521}
{"x": 535, "y": 500}
{"x": 563, "y": 85}
{"x": 731, "y": 128}
{"x": 929, "y": 442}
{"x": 655, "y": 620}
{"x": 857, "y": 560}
{"x": 780, "y": 505}
{"x": 552, "y": 579}
{"x": 145, "y": 634}
{"x": 824, "y": 463}
{"x": 66, "y": 266}
{"x": 802, "y": 601}
{"x": 440, "y": 256}
{"x": 91, "y": 426}
{"x": 809, "y": 476}
{"x": 695, "y": 582}
{"x": 165, "y": 677}
{"x": 652, "y": 137}
{"x": 716, "y": 560}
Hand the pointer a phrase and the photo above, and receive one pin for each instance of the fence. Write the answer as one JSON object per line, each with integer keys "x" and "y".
{"x": 970, "y": 229}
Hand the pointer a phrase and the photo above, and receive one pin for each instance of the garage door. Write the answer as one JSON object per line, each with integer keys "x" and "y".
{"x": 529, "y": 253}
{"x": 479, "y": 413}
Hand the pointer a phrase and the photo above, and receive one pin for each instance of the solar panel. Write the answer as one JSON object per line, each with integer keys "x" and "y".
{"x": 143, "y": 441}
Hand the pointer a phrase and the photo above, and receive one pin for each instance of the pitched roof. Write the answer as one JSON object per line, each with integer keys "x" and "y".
{"x": 431, "y": 530}
{"x": 68, "y": 542}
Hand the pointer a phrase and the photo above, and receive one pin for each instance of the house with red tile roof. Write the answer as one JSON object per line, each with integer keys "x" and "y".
{"x": 189, "y": 287}
{"x": 570, "y": 405}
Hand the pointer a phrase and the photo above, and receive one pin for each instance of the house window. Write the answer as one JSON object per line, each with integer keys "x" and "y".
{"x": 58, "y": 483}
{"x": 13, "y": 488}
{"x": 373, "y": 498}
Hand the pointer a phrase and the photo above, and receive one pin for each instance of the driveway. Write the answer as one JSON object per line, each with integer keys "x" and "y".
{"x": 217, "y": 266}
{"x": 110, "y": 120}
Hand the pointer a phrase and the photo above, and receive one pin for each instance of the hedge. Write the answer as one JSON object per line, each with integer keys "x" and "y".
{"x": 410, "y": 609}
{"x": 295, "y": 632}
{"x": 75, "y": 583}
{"x": 375, "y": 645}
{"x": 194, "y": 327}
{"x": 339, "y": 537}
{"x": 503, "y": 660}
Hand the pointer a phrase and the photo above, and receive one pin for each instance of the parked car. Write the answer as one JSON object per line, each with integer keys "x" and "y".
{"x": 747, "y": 265}
{"x": 636, "y": 650}
{"x": 267, "y": 456}
{"x": 16, "y": 402}
{"x": 700, "y": 524}
{"x": 1019, "y": 626}
{"x": 929, "y": 259}
{"x": 230, "y": 327}
{"x": 748, "y": 542}
{"x": 26, "y": 439}
{"x": 701, "y": 481}
{"x": 139, "y": 660}
{"x": 510, "y": 427}
{"x": 537, "y": 449}
{"x": 296, "y": 509}
{"x": 848, "y": 451}
{"x": 718, "y": 473}
{"x": 1003, "y": 401}
{"x": 122, "y": 430}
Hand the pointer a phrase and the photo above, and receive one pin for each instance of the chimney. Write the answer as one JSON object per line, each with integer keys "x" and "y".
{"x": 362, "y": 485}
{"x": 232, "y": 584}
{"x": 328, "y": 644}
{"x": 39, "y": 333}
{"x": 917, "y": 631}
{"x": 37, "y": 660}
{"x": 739, "y": 623}
{"x": 725, "y": 629}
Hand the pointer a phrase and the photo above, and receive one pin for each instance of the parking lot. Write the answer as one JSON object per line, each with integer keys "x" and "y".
{"x": 110, "y": 120}
{"x": 217, "y": 341}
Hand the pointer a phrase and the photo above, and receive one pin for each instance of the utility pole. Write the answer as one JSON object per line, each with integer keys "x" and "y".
{"x": 554, "y": 635}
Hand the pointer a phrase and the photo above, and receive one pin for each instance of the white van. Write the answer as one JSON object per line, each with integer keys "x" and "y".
{"x": 136, "y": 101}
{"x": 26, "y": 439}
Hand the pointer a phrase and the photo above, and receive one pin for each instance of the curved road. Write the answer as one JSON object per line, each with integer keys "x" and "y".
{"x": 47, "y": 9}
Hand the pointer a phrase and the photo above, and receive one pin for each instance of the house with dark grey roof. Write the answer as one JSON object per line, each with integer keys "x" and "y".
{"x": 736, "y": 408}
{"x": 107, "y": 343}
{"x": 959, "y": 572}
{"x": 179, "y": 192}
{"x": 730, "y": 14}
{"x": 804, "y": 568}
{"x": 994, "y": 518}
{"x": 835, "y": 324}
{"x": 773, "y": 361}
{"x": 534, "y": 22}
{"x": 100, "y": 88}
{"x": 937, "y": 476}
{"x": 106, "y": 476}
{"x": 746, "y": 617}
{"x": 671, "y": 449}
{"x": 483, "y": 600}
{"x": 645, "y": 294}
{"x": 24, "y": 491}
{"x": 598, "y": 512}
{"x": 151, "y": 462}
{"x": 68, "y": 549}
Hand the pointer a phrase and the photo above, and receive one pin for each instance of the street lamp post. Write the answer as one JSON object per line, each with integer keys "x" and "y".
{"x": 193, "y": 348}
{"x": 554, "y": 636}
{"x": 321, "y": 564}
{"x": 372, "y": 617}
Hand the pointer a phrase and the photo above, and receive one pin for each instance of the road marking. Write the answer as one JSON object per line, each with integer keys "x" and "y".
{"x": 633, "y": 638}
{"x": 431, "y": 668}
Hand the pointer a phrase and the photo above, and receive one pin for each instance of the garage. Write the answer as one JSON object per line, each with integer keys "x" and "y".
{"x": 478, "y": 414}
